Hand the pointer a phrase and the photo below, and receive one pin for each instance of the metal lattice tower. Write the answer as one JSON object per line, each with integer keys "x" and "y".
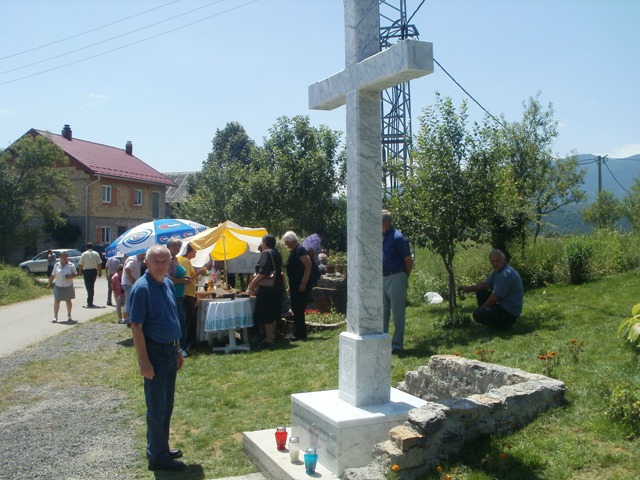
{"x": 395, "y": 104}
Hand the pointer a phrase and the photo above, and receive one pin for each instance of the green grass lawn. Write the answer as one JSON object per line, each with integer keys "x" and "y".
{"x": 220, "y": 396}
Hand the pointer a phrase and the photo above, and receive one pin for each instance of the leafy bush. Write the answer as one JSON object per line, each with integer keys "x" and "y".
{"x": 542, "y": 263}
{"x": 624, "y": 407}
{"x": 423, "y": 281}
{"x": 16, "y": 285}
{"x": 578, "y": 254}
{"x": 630, "y": 327}
{"x": 618, "y": 252}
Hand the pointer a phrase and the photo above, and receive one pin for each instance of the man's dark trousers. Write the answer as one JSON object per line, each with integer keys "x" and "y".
{"x": 159, "y": 396}
{"x": 90, "y": 275}
{"x": 494, "y": 316}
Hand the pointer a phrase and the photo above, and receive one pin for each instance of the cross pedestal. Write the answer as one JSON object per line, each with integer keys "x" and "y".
{"x": 344, "y": 424}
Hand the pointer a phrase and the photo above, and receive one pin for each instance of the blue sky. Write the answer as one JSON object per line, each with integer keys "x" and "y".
{"x": 252, "y": 61}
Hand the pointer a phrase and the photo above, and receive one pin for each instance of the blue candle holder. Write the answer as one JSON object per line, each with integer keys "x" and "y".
{"x": 310, "y": 460}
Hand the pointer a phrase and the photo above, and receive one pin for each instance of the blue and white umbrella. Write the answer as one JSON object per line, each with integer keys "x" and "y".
{"x": 139, "y": 238}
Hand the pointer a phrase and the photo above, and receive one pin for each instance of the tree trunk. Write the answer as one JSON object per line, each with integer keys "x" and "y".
{"x": 451, "y": 293}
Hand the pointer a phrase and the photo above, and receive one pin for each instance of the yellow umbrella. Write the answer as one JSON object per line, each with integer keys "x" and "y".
{"x": 224, "y": 242}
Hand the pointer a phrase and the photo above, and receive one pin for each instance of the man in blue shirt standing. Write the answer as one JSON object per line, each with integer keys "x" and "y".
{"x": 396, "y": 268}
{"x": 155, "y": 326}
{"x": 501, "y": 296}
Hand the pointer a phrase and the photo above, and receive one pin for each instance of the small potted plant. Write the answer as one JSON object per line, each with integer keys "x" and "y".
{"x": 337, "y": 260}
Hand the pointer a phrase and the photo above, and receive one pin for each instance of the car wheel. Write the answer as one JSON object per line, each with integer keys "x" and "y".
{"x": 26, "y": 270}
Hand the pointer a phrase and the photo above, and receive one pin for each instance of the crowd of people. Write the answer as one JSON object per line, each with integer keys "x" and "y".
{"x": 155, "y": 295}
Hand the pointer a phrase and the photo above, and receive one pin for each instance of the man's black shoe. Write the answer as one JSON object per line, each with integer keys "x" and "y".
{"x": 175, "y": 453}
{"x": 396, "y": 351}
{"x": 169, "y": 464}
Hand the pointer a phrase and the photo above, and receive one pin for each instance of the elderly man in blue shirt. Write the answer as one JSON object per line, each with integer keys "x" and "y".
{"x": 501, "y": 296}
{"x": 396, "y": 268}
{"x": 155, "y": 326}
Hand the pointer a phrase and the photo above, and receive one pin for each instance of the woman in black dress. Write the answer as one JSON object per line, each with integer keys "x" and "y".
{"x": 268, "y": 298}
{"x": 299, "y": 274}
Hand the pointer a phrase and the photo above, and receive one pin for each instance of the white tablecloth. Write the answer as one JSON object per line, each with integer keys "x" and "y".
{"x": 226, "y": 314}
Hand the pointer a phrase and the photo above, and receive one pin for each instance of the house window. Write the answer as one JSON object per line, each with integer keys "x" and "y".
{"x": 106, "y": 234}
{"x": 137, "y": 198}
{"x": 106, "y": 194}
{"x": 156, "y": 205}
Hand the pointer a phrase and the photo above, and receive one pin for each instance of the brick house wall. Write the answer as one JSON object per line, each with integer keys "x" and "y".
{"x": 118, "y": 215}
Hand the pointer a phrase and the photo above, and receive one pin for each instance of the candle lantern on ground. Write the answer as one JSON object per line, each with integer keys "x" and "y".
{"x": 281, "y": 438}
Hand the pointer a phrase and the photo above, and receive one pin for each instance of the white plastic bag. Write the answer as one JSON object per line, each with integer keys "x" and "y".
{"x": 433, "y": 298}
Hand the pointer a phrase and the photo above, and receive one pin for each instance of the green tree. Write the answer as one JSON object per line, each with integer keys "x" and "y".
{"x": 604, "y": 212}
{"x": 292, "y": 182}
{"x": 32, "y": 186}
{"x": 631, "y": 205}
{"x": 302, "y": 170}
{"x": 562, "y": 186}
{"x": 534, "y": 183}
{"x": 61, "y": 230}
{"x": 445, "y": 195}
{"x": 220, "y": 191}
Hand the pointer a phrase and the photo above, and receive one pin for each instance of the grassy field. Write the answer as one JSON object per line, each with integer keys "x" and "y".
{"x": 220, "y": 396}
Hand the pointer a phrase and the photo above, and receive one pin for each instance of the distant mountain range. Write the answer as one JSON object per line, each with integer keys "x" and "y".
{"x": 617, "y": 176}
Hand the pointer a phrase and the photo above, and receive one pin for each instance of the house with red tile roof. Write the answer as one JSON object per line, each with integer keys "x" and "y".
{"x": 115, "y": 190}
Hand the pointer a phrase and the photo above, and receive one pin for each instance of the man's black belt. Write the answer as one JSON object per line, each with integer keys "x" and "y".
{"x": 391, "y": 272}
{"x": 173, "y": 343}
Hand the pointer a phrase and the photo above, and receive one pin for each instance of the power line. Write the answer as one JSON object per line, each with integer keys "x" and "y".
{"x": 413, "y": 14}
{"x": 87, "y": 31}
{"x": 614, "y": 177}
{"x": 129, "y": 44}
{"x": 469, "y": 95}
{"x": 109, "y": 39}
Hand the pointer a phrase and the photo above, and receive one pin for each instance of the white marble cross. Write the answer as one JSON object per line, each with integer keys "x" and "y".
{"x": 365, "y": 351}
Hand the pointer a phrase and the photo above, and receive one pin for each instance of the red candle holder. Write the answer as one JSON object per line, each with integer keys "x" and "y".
{"x": 281, "y": 438}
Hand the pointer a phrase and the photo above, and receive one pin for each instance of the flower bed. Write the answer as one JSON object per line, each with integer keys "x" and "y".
{"x": 319, "y": 320}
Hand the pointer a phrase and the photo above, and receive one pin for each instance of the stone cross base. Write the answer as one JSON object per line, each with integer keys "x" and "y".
{"x": 344, "y": 435}
{"x": 365, "y": 368}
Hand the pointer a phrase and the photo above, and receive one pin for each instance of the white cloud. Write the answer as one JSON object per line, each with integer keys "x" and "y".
{"x": 6, "y": 112}
{"x": 626, "y": 150}
{"x": 93, "y": 99}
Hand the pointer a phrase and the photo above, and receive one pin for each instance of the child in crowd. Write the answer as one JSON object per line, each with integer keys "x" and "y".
{"x": 118, "y": 292}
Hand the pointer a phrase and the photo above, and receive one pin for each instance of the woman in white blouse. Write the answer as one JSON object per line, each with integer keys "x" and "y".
{"x": 62, "y": 278}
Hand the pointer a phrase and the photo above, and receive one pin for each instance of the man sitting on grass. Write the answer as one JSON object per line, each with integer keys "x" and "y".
{"x": 501, "y": 296}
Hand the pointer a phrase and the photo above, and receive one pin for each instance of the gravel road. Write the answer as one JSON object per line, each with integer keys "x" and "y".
{"x": 72, "y": 433}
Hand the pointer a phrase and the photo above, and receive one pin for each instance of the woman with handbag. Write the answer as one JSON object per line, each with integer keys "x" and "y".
{"x": 268, "y": 287}
{"x": 299, "y": 268}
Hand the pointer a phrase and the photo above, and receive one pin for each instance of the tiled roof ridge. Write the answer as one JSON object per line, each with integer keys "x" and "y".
{"x": 138, "y": 170}
{"x": 74, "y": 139}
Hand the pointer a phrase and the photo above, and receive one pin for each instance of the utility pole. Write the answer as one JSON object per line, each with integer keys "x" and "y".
{"x": 600, "y": 160}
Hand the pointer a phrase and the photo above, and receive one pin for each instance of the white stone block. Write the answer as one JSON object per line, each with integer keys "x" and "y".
{"x": 343, "y": 434}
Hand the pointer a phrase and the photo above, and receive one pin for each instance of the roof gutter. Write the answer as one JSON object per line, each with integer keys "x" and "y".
{"x": 86, "y": 211}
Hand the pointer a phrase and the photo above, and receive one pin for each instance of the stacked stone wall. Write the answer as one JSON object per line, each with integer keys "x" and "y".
{"x": 466, "y": 399}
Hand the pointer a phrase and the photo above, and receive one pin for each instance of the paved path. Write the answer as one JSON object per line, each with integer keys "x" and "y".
{"x": 25, "y": 323}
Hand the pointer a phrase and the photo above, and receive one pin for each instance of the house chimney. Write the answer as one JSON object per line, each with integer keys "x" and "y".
{"x": 66, "y": 132}
{"x": 129, "y": 148}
